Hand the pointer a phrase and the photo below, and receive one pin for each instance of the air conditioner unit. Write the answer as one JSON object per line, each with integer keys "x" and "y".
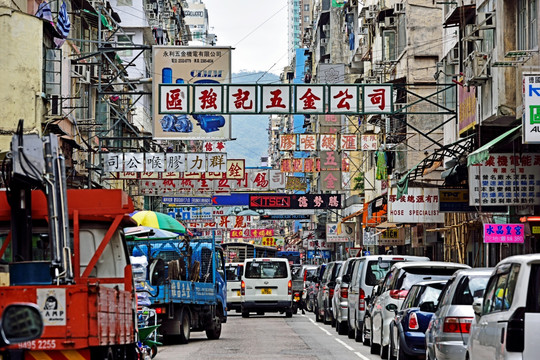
{"x": 390, "y": 21}
{"x": 326, "y": 27}
{"x": 78, "y": 71}
{"x": 476, "y": 68}
{"x": 151, "y": 16}
{"x": 166, "y": 15}
{"x": 485, "y": 20}
{"x": 363, "y": 31}
{"x": 372, "y": 8}
{"x": 324, "y": 41}
{"x": 453, "y": 55}
{"x": 371, "y": 15}
{"x": 149, "y": 7}
{"x": 327, "y": 61}
{"x": 399, "y": 8}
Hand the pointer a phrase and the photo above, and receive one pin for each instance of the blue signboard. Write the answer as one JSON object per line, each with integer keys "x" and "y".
{"x": 187, "y": 200}
{"x": 230, "y": 200}
{"x": 323, "y": 254}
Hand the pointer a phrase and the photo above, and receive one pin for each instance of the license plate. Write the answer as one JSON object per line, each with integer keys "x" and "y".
{"x": 238, "y": 293}
{"x": 266, "y": 291}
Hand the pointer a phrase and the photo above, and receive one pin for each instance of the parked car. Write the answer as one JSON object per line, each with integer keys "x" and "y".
{"x": 326, "y": 291}
{"x": 313, "y": 288}
{"x": 233, "y": 273}
{"x": 300, "y": 282}
{"x": 507, "y": 319}
{"x": 396, "y": 286}
{"x": 370, "y": 301}
{"x": 308, "y": 272}
{"x": 368, "y": 271}
{"x": 266, "y": 286}
{"x": 408, "y": 328}
{"x": 448, "y": 331}
{"x": 340, "y": 304}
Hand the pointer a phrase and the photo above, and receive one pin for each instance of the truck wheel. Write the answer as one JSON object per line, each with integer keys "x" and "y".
{"x": 245, "y": 314}
{"x": 154, "y": 349}
{"x": 185, "y": 328}
{"x": 288, "y": 313}
{"x": 214, "y": 332}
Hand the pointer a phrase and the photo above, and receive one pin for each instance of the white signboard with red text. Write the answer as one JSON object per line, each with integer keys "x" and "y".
{"x": 419, "y": 205}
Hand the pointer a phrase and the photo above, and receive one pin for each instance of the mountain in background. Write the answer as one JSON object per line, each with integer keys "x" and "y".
{"x": 250, "y": 131}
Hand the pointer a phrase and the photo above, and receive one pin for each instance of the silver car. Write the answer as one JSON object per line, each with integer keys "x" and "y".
{"x": 448, "y": 331}
{"x": 340, "y": 304}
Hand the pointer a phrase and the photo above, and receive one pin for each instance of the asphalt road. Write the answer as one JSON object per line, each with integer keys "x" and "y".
{"x": 272, "y": 336}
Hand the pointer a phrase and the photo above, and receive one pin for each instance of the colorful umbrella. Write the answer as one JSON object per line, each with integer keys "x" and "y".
{"x": 145, "y": 231}
{"x": 158, "y": 221}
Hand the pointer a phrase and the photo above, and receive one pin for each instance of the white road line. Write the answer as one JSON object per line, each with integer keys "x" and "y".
{"x": 344, "y": 344}
{"x": 361, "y": 356}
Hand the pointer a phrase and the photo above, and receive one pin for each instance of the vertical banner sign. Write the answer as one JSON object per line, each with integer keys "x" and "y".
{"x": 175, "y": 67}
{"x": 504, "y": 233}
{"x": 531, "y": 109}
{"x": 467, "y": 107}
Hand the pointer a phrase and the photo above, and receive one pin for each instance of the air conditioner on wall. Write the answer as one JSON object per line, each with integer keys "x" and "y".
{"x": 324, "y": 41}
{"x": 476, "y": 68}
{"x": 399, "y": 8}
{"x": 151, "y": 16}
{"x": 390, "y": 21}
{"x": 166, "y": 15}
{"x": 372, "y": 8}
{"x": 326, "y": 27}
{"x": 453, "y": 56}
{"x": 149, "y": 7}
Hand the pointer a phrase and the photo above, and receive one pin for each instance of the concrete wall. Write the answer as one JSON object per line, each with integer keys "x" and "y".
{"x": 21, "y": 72}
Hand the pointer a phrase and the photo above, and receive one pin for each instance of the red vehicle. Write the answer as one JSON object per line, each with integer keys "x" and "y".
{"x": 64, "y": 251}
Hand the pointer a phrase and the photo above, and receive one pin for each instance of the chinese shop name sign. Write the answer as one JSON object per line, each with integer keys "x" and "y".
{"x": 504, "y": 233}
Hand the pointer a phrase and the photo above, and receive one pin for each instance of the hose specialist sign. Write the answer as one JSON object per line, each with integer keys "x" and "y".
{"x": 174, "y": 67}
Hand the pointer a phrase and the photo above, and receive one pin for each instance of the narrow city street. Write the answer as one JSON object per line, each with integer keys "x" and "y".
{"x": 272, "y": 336}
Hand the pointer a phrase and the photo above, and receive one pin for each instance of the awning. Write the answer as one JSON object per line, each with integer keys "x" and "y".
{"x": 482, "y": 153}
{"x": 354, "y": 214}
{"x": 386, "y": 225}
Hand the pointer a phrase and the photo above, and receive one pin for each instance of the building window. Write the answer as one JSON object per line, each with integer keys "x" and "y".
{"x": 306, "y": 7}
{"x": 127, "y": 41}
{"x": 306, "y": 19}
{"x": 389, "y": 45}
{"x": 527, "y": 25}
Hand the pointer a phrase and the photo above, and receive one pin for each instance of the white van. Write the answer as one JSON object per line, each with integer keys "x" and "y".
{"x": 233, "y": 271}
{"x": 266, "y": 286}
{"x": 508, "y": 317}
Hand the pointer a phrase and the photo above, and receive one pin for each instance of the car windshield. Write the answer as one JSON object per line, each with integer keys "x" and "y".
{"x": 376, "y": 270}
{"x": 232, "y": 272}
{"x": 430, "y": 294}
{"x": 414, "y": 275}
{"x": 470, "y": 288}
{"x": 266, "y": 270}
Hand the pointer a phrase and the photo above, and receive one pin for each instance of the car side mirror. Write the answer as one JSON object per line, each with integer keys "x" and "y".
{"x": 13, "y": 317}
{"x": 391, "y": 307}
{"x": 477, "y": 307}
{"x": 428, "y": 306}
{"x": 346, "y": 278}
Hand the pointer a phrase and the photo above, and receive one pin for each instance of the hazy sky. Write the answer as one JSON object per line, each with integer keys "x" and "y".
{"x": 257, "y": 29}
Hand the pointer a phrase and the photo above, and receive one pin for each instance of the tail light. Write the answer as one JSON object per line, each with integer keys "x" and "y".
{"x": 289, "y": 286}
{"x": 413, "y": 322}
{"x": 344, "y": 292}
{"x": 160, "y": 310}
{"x": 243, "y": 287}
{"x": 457, "y": 325}
{"x": 515, "y": 333}
{"x": 398, "y": 294}
{"x": 362, "y": 301}
{"x": 330, "y": 293}
{"x": 305, "y": 275}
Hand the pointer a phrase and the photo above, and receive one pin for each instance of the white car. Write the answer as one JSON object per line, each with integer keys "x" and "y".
{"x": 266, "y": 286}
{"x": 508, "y": 317}
{"x": 233, "y": 272}
{"x": 395, "y": 288}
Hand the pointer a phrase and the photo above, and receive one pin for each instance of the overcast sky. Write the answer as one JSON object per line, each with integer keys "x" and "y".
{"x": 257, "y": 29}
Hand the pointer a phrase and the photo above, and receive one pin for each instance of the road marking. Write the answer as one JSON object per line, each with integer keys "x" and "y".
{"x": 344, "y": 344}
{"x": 361, "y": 356}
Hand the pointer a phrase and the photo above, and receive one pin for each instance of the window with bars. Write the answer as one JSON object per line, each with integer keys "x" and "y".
{"x": 527, "y": 24}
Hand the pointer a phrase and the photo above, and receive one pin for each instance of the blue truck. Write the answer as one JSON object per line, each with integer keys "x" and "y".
{"x": 186, "y": 285}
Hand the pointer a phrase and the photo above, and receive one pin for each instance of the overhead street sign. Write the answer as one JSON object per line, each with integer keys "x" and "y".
{"x": 286, "y": 217}
{"x": 187, "y": 200}
{"x": 295, "y": 201}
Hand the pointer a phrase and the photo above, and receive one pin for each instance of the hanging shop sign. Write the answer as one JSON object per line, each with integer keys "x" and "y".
{"x": 392, "y": 237}
{"x": 187, "y": 200}
{"x": 531, "y": 108}
{"x": 176, "y": 103}
{"x": 251, "y": 233}
{"x": 420, "y": 205}
{"x": 505, "y": 179}
{"x": 369, "y": 142}
{"x": 467, "y": 108}
{"x": 295, "y": 201}
{"x": 504, "y": 233}
{"x": 318, "y": 142}
{"x": 457, "y": 200}
{"x": 335, "y": 233}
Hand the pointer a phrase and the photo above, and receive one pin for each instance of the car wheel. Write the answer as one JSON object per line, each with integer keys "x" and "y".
{"x": 343, "y": 328}
{"x": 358, "y": 336}
{"x": 383, "y": 349}
{"x": 317, "y": 316}
{"x": 245, "y": 314}
{"x": 374, "y": 349}
{"x": 288, "y": 314}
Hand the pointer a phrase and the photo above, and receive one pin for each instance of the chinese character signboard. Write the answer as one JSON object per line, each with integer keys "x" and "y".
{"x": 242, "y": 99}
{"x": 309, "y": 99}
{"x": 295, "y": 201}
{"x": 343, "y": 99}
{"x": 377, "y": 99}
{"x": 251, "y": 233}
{"x": 420, "y": 205}
{"x": 467, "y": 107}
{"x": 392, "y": 237}
{"x": 177, "y": 66}
{"x": 369, "y": 142}
{"x": 504, "y": 233}
{"x": 276, "y": 99}
{"x": 505, "y": 179}
{"x": 531, "y": 108}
